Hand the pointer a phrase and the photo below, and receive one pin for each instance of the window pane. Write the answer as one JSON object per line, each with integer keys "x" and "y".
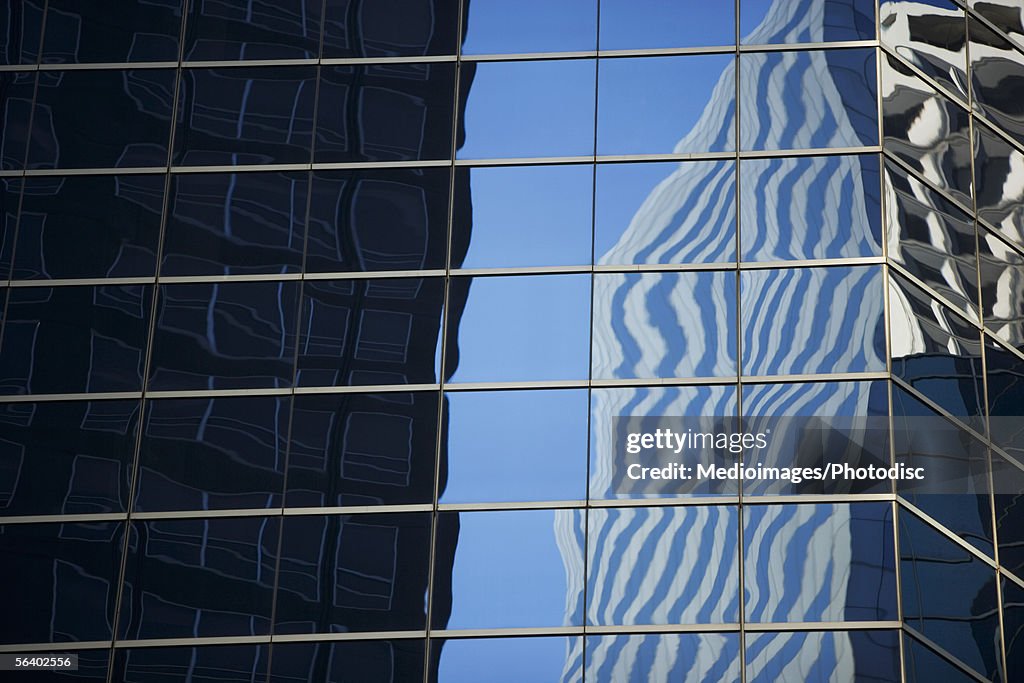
{"x": 664, "y": 105}
{"x": 999, "y": 196}
{"x": 236, "y": 29}
{"x": 997, "y": 71}
{"x": 20, "y": 26}
{"x": 665, "y": 213}
{"x": 10, "y": 198}
{"x": 1005, "y": 375}
{"x": 508, "y": 26}
{"x": 1013, "y": 628}
{"x": 647, "y": 24}
{"x": 369, "y": 29}
{"x": 83, "y": 31}
{"x": 209, "y": 664}
{"x": 342, "y": 662}
{"x": 664, "y": 658}
{"x": 508, "y": 216}
{"x": 528, "y": 109}
{"x": 824, "y": 657}
{"x": 517, "y": 659}
{"x": 924, "y": 666}
{"x": 939, "y": 28}
{"x": 764, "y": 22}
{"x": 492, "y": 458}
{"x": 1002, "y": 288}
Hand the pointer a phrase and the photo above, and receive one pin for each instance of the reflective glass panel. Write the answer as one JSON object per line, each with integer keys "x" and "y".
{"x": 243, "y": 29}
{"x": 528, "y": 109}
{"x": 378, "y": 219}
{"x": 997, "y": 77}
{"x": 662, "y": 658}
{"x": 1002, "y": 288}
{"x": 508, "y": 26}
{"x": 533, "y": 327}
{"x": 354, "y": 573}
{"x": 369, "y": 29}
{"x": 647, "y": 24}
{"x": 20, "y": 26}
{"x": 840, "y": 309}
{"x": 824, "y": 657}
{"x": 60, "y": 579}
{"x": 66, "y": 458}
{"x": 16, "y": 91}
{"x": 1005, "y": 375}
{"x": 229, "y": 335}
{"x": 89, "y": 226}
{"x": 764, "y": 22}
{"x": 83, "y": 31}
{"x": 512, "y": 568}
{"x": 1013, "y": 628}
{"x": 255, "y": 115}
{"x": 923, "y": 665}
{"x": 1005, "y": 14}
{"x": 492, "y": 458}
{"x": 508, "y": 216}
{"x": 800, "y": 100}
{"x": 348, "y": 662}
{"x": 663, "y": 213}
{"x": 664, "y": 565}
{"x": 663, "y": 105}
{"x": 217, "y": 664}
{"x": 385, "y": 112}
{"x": 73, "y": 115}
{"x": 97, "y": 333}
{"x": 932, "y": 36}
{"x": 199, "y": 577}
{"x": 810, "y": 208}
{"x": 233, "y": 224}
{"x": 377, "y": 331}
{"x": 507, "y": 659}
{"x": 10, "y": 198}
{"x": 663, "y": 325}
{"x": 213, "y": 453}
{"x": 1000, "y": 195}
{"x": 362, "y": 449}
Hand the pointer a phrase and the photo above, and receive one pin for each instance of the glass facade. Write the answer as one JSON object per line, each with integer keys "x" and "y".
{"x": 317, "y": 317}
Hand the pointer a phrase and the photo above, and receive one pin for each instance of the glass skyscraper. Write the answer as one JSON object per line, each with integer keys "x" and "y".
{"x": 319, "y": 317}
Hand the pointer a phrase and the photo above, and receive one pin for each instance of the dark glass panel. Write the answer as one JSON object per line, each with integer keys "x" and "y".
{"x": 102, "y": 119}
{"x": 254, "y": 115}
{"x": 664, "y": 105}
{"x": 97, "y": 335}
{"x": 932, "y": 36}
{"x": 964, "y": 621}
{"x": 461, "y": 660}
{"x": 807, "y": 563}
{"x": 527, "y": 109}
{"x": 367, "y": 28}
{"x": 997, "y": 79}
{"x": 665, "y": 213}
{"x": 512, "y": 26}
{"x": 353, "y": 573}
{"x": 816, "y": 657}
{"x": 376, "y": 331}
{"x": 532, "y": 327}
{"x": 492, "y": 458}
{"x": 999, "y": 194}
{"x": 509, "y": 216}
{"x": 1005, "y": 375}
{"x": 799, "y": 100}
{"x": 66, "y": 458}
{"x": 60, "y": 579}
{"x": 362, "y": 449}
{"x": 10, "y": 199}
{"x": 664, "y": 325}
{"x": 20, "y": 26}
{"x": 92, "y": 666}
{"x": 810, "y": 208}
{"x": 378, "y": 219}
{"x": 707, "y": 657}
{"x": 216, "y": 664}
{"x": 1013, "y": 628}
{"x": 385, "y": 112}
{"x": 213, "y": 453}
{"x": 840, "y": 308}
{"x": 348, "y": 662}
{"x": 765, "y": 22}
{"x": 663, "y": 565}
{"x": 1002, "y": 288}
{"x": 230, "y": 335}
{"x": 16, "y": 92}
{"x": 84, "y": 31}
{"x": 1005, "y": 14}
{"x": 248, "y": 29}
{"x": 89, "y": 226}
{"x": 653, "y": 24}
{"x": 923, "y": 665}
{"x": 232, "y": 224}
{"x": 199, "y": 577}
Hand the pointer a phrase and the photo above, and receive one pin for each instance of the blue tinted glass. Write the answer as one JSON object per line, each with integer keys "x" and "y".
{"x": 344, "y": 662}
{"x": 810, "y": 208}
{"x": 801, "y": 100}
{"x": 82, "y": 31}
{"x": 369, "y": 29}
{"x": 507, "y": 26}
{"x": 705, "y": 658}
{"x": 98, "y": 333}
{"x": 516, "y": 568}
{"x": 208, "y": 454}
{"x": 60, "y": 579}
{"x": 638, "y": 24}
{"x": 1008, "y": 484}
{"x": 71, "y": 125}
{"x": 665, "y": 213}
{"x": 491, "y": 457}
{"x": 378, "y": 219}
{"x": 923, "y": 665}
{"x": 229, "y": 335}
{"x": 243, "y": 29}
{"x": 362, "y": 449}
{"x": 245, "y": 116}
{"x": 523, "y": 216}
{"x": 1005, "y": 376}
{"x": 507, "y": 659}
{"x": 666, "y": 565}
{"x": 819, "y": 563}
{"x": 20, "y": 25}
{"x": 661, "y": 105}
{"x": 231, "y": 224}
{"x": 533, "y": 327}
{"x": 377, "y": 331}
{"x": 89, "y": 226}
{"x": 217, "y": 664}
{"x": 824, "y": 657}
{"x": 528, "y": 109}
{"x": 1013, "y": 628}
{"x": 807, "y": 21}
{"x": 840, "y": 308}
{"x": 664, "y": 325}
{"x": 16, "y": 91}
{"x": 354, "y": 573}
{"x": 66, "y": 458}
